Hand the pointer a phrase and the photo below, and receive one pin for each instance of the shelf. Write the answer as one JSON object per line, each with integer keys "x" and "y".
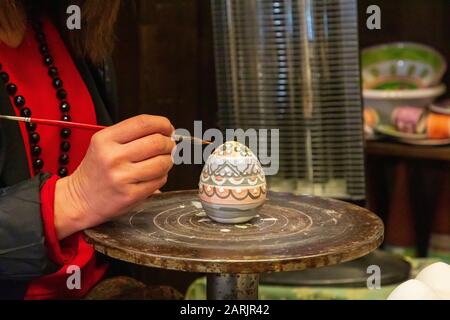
{"x": 398, "y": 150}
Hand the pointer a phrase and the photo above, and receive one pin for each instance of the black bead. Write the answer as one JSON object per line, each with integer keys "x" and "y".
{"x": 11, "y": 88}
{"x": 40, "y": 36}
{"x": 63, "y": 172}
{"x": 61, "y": 94}
{"x": 64, "y": 159}
{"x": 64, "y": 106}
{"x": 1, "y": 66}
{"x": 35, "y": 137}
{"x": 66, "y": 117}
{"x": 57, "y": 83}
{"x": 36, "y": 150}
{"x": 5, "y": 77}
{"x": 48, "y": 60}
{"x": 43, "y": 48}
{"x": 25, "y": 112}
{"x": 31, "y": 127}
{"x": 52, "y": 71}
{"x": 19, "y": 101}
{"x": 65, "y": 133}
{"x": 65, "y": 146}
{"x": 38, "y": 164}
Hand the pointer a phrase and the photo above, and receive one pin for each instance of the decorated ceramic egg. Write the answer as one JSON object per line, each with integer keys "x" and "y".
{"x": 232, "y": 185}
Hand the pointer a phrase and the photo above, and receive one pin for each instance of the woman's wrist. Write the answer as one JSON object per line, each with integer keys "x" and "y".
{"x": 69, "y": 214}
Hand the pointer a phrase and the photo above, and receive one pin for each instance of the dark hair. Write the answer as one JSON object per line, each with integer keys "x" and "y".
{"x": 95, "y": 38}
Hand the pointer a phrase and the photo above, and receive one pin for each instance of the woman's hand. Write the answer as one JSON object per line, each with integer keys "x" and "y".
{"x": 125, "y": 164}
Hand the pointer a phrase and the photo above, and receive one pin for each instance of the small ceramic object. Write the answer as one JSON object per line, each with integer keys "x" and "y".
{"x": 371, "y": 117}
{"x": 438, "y": 126}
{"x": 409, "y": 119}
{"x": 437, "y": 277}
{"x": 232, "y": 185}
{"x": 401, "y": 65}
{"x": 413, "y": 290}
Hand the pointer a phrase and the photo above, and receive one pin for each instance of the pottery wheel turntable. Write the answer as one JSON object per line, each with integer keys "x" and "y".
{"x": 171, "y": 231}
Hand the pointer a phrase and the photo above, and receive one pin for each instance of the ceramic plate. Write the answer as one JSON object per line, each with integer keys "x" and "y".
{"x": 405, "y": 94}
{"x": 426, "y": 142}
{"x": 390, "y": 131}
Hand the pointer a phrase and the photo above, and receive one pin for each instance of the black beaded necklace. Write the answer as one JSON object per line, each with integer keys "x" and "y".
{"x": 61, "y": 94}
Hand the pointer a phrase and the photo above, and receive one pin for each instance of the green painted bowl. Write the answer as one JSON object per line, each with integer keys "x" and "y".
{"x": 401, "y": 65}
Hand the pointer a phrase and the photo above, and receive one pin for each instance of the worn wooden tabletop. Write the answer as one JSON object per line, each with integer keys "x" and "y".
{"x": 171, "y": 231}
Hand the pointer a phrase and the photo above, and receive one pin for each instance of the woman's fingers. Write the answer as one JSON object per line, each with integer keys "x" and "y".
{"x": 124, "y": 164}
{"x": 138, "y": 127}
{"x": 148, "y": 147}
{"x": 145, "y": 189}
{"x": 150, "y": 169}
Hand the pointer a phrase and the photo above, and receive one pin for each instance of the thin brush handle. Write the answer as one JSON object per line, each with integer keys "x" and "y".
{"x": 86, "y": 126}
{"x": 179, "y": 138}
{"x": 55, "y": 123}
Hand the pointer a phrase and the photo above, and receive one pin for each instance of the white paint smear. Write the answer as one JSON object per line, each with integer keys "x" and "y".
{"x": 269, "y": 219}
{"x": 197, "y": 204}
{"x": 201, "y": 214}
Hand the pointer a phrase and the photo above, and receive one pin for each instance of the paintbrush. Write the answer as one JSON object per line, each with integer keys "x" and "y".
{"x": 86, "y": 126}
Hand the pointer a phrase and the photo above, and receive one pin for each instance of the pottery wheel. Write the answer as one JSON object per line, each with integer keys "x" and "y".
{"x": 172, "y": 231}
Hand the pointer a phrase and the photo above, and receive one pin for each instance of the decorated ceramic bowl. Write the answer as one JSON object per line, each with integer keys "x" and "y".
{"x": 385, "y": 101}
{"x": 401, "y": 65}
{"x": 232, "y": 185}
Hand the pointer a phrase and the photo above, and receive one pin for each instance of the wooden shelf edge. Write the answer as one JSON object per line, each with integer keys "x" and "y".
{"x": 398, "y": 150}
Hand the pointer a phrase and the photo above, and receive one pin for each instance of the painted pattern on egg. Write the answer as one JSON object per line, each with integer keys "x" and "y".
{"x": 232, "y": 185}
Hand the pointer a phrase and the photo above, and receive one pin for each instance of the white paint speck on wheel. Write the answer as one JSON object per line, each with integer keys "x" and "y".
{"x": 197, "y": 204}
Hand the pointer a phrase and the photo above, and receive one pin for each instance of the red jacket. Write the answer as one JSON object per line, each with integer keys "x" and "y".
{"x": 33, "y": 263}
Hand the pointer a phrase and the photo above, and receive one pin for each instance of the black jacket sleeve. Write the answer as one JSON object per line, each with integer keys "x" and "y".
{"x": 23, "y": 255}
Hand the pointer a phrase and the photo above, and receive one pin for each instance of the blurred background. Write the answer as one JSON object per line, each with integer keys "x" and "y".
{"x": 165, "y": 62}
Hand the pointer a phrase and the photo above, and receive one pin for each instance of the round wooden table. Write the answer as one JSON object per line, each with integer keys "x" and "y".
{"x": 172, "y": 231}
